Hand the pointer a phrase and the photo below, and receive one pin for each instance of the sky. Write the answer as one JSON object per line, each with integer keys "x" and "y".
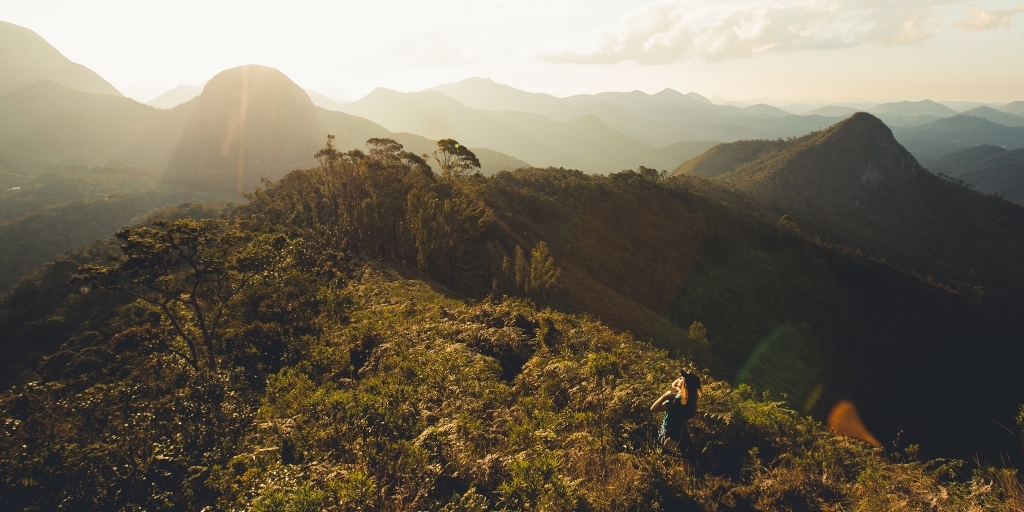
{"x": 785, "y": 51}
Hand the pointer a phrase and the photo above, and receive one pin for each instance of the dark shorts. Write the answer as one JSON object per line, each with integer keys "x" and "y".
{"x": 680, "y": 442}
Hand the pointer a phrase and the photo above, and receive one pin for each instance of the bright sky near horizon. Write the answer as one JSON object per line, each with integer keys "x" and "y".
{"x": 787, "y": 50}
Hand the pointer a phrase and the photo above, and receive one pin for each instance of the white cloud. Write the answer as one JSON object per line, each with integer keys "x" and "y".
{"x": 977, "y": 19}
{"x": 668, "y": 31}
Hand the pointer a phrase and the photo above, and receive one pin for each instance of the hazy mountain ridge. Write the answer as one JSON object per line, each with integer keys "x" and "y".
{"x": 47, "y": 125}
{"x": 996, "y": 116}
{"x": 988, "y": 169}
{"x": 669, "y": 116}
{"x": 176, "y": 96}
{"x": 70, "y": 126}
{"x": 942, "y": 137}
{"x": 1016, "y": 108}
{"x": 26, "y": 58}
{"x": 249, "y": 122}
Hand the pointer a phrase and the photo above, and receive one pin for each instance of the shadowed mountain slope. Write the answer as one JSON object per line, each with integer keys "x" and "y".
{"x": 988, "y": 169}
{"x": 856, "y": 186}
{"x": 67, "y": 127}
{"x": 250, "y": 122}
{"x": 860, "y": 156}
{"x": 724, "y": 158}
{"x": 26, "y": 58}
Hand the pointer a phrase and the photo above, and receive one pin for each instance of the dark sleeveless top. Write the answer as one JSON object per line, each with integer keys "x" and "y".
{"x": 677, "y": 414}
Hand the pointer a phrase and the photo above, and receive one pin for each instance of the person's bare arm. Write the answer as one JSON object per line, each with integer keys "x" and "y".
{"x": 659, "y": 404}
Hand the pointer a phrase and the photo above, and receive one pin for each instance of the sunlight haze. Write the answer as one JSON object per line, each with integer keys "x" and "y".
{"x": 808, "y": 51}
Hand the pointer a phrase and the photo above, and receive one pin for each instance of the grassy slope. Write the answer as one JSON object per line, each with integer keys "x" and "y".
{"x": 652, "y": 259}
{"x": 394, "y": 393}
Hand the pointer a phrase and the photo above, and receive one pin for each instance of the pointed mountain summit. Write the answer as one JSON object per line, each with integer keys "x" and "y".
{"x": 25, "y": 57}
{"x": 854, "y": 185}
{"x": 853, "y": 159}
{"x": 692, "y": 99}
{"x": 250, "y": 122}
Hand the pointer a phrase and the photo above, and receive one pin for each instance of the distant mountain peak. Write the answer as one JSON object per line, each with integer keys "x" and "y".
{"x": 25, "y": 57}
{"x": 249, "y": 122}
{"x": 860, "y": 151}
{"x": 672, "y": 93}
{"x": 854, "y": 158}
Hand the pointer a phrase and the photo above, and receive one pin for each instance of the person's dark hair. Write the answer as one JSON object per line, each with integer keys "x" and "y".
{"x": 691, "y": 380}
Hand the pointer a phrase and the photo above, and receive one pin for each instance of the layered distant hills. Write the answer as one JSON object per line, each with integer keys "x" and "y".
{"x": 45, "y": 124}
{"x": 596, "y": 133}
{"x": 939, "y": 138}
{"x": 61, "y": 124}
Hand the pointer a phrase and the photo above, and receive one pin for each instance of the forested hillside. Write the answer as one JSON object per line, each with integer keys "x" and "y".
{"x": 856, "y": 186}
{"x": 370, "y": 334}
{"x": 62, "y": 209}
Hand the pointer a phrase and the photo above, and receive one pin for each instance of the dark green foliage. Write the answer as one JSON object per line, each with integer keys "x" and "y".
{"x": 188, "y": 271}
{"x": 454, "y": 159}
{"x": 347, "y": 375}
{"x": 57, "y": 187}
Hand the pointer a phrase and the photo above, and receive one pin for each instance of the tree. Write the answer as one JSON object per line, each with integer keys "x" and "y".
{"x": 787, "y": 223}
{"x": 188, "y": 270}
{"x": 454, "y": 159}
{"x": 652, "y": 175}
{"x": 543, "y": 272}
{"x": 522, "y": 279}
{"x": 698, "y": 333}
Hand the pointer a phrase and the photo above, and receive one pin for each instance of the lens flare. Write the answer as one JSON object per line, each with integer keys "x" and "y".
{"x": 845, "y": 421}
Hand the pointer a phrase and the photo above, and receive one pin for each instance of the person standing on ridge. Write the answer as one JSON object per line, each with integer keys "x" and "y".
{"x": 679, "y": 405}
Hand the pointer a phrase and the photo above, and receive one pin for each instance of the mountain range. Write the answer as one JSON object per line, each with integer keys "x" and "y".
{"x": 811, "y": 261}
{"x": 944, "y": 136}
{"x": 45, "y": 124}
{"x": 603, "y": 132}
